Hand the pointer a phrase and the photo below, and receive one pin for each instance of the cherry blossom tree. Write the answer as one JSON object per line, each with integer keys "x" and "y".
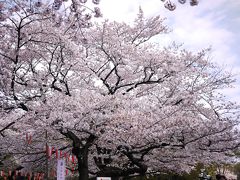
{"x": 31, "y": 61}
{"x": 18, "y": 19}
{"x": 112, "y": 96}
{"x": 166, "y": 100}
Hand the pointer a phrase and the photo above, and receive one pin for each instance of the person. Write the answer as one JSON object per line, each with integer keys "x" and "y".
{"x": 28, "y": 176}
{"x": 224, "y": 178}
{"x": 220, "y": 177}
{"x": 20, "y": 177}
{"x": 33, "y": 176}
{"x": 11, "y": 176}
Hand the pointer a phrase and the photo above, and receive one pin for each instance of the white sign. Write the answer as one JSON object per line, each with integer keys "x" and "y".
{"x": 103, "y": 178}
{"x": 61, "y": 169}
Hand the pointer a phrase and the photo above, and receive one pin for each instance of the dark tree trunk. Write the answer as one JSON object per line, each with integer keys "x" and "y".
{"x": 238, "y": 176}
{"x": 82, "y": 158}
{"x": 83, "y": 173}
{"x": 81, "y": 151}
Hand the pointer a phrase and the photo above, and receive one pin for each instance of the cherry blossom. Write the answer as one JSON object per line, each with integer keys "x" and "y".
{"x": 110, "y": 96}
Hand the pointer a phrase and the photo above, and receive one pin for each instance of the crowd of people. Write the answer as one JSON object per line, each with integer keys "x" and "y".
{"x": 20, "y": 176}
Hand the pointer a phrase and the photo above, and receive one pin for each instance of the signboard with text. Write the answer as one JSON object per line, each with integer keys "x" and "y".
{"x": 103, "y": 178}
{"x": 61, "y": 169}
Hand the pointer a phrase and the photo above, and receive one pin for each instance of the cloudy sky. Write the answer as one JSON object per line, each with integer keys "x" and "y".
{"x": 213, "y": 23}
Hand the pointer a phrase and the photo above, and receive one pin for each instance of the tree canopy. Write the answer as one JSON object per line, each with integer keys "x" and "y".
{"x": 109, "y": 95}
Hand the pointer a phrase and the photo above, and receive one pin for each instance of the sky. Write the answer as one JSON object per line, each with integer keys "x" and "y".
{"x": 213, "y": 23}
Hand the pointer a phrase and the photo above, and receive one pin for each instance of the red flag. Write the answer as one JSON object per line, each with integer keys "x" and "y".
{"x": 66, "y": 156}
{"x": 29, "y": 138}
{"x": 60, "y": 154}
{"x": 38, "y": 175}
{"x": 73, "y": 160}
{"x": 53, "y": 149}
{"x": 42, "y": 175}
{"x": 66, "y": 172}
{"x": 56, "y": 151}
{"x": 47, "y": 150}
{"x": 28, "y": 176}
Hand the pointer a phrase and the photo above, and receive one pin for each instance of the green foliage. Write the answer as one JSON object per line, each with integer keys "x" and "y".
{"x": 237, "y": 168}
{"x": 186, "y": 176}
{"x": 211, "y": 170}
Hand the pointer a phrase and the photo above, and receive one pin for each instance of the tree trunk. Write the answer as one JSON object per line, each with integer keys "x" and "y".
{"x": 82, "y": 158}
{"x": 80, "y": 150}
{"x": 83, "y": 173}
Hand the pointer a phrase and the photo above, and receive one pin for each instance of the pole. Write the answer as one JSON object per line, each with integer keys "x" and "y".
{"x": 46, "y": 171}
